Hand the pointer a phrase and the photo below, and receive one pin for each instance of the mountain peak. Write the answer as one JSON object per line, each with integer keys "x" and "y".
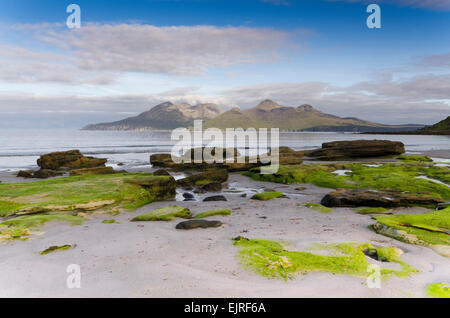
{"x": 268, "y": 104}
{"x": 306, "y": 108}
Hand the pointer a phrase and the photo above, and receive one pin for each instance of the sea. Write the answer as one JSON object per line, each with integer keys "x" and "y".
{"x": 19, "y": 149}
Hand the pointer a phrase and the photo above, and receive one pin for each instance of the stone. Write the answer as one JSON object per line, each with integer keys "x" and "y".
{"x": 196, "y": 224}
{"x": 162, "y": 187}
{"x": 215, "y": 198}
{"x": 209, "y": 176}
{"x": 358, "y": 149}
{"x": 374, "y": 198}
{"x": 188, "y": 195}
{"x": 72, "y": 159}
{"x": 26, "y": 174}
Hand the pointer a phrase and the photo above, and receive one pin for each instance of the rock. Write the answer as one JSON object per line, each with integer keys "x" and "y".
{"x": 162, "y": 187}
{"x": 215, "y": 198}
{"x": 46, "y": 173}
{"x": 161, "y": 172}
{"x": 72, "y": 159}
{"x": 25, "y": 174}
{"x": 188, "y": 195}
{"x": 210, "y": 176}
{"x": 300, "y": 188}
{"x": 212, "y": 187}
{"x": 373, "y": 198}
{"x": 162, "y": 160}
{"x": 39, "y": 174}
{"x": 358, "y": 149}
{"x": 195, "y": 224}
{"x": 244, "y": 195}
{"x": 92, "y": 171}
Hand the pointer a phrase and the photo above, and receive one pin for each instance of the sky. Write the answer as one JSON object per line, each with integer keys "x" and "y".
{"x": 129, "y": 56}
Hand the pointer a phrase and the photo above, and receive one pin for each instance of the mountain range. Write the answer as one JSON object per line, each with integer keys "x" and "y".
{"x": 267, "y": 114}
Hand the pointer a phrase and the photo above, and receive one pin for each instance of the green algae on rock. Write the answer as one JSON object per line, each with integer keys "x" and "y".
{"x": 212, "y": 213}
{"x": 265, "y": 196}
{"x": 401, "y": 177}
{"x": 169, "y": 213}
{"x": 109, "y": 221}
{"x": 52, "y": 249}
{"x": 318, "y": 207}
{"x": 430, "y": 229}
{"x": 271, "y": 259}
{"x": 440, "y": 290}
{"x": 83, "y": 193}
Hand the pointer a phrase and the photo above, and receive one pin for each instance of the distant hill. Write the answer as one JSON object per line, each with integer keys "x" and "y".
{"x": 441, "y": 128}
{"x": 269, "y": 114}
{"x": 163, "y": 116}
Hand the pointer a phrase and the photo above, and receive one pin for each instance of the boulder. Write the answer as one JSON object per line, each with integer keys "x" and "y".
{"x": 210, "y": 176}
{"x": 92, "y": 171}
{"x": 162, "y": 187}
{"x": 358, "y": 149}
{"x": 374, "y": 198}
{"x": 162, "y": 160}
{"x": 215, "y": 198}
{"x": 72, "y": 159}
{"x": 195, "y": 224}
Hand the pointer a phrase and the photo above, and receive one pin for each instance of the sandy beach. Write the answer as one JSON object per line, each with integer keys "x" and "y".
{"x": 153, "y": 259}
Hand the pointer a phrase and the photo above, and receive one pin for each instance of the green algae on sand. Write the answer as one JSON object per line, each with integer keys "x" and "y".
{"x": 20, "y": 228}
{"x": 271, "y": 259}
{"x": 440, "y": 290}
{"x": 52, "y": 249}
{"x": 206, "y": 214}
{"x": 372, "y": 211}
{"x": 318, "y": 207}
{"x": 266, "y": 196}
{"x": 429, "y": 229}
{"x": 169, "y": 213}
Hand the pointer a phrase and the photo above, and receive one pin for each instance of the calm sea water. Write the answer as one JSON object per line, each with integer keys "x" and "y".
{"x": 21, "y": 149}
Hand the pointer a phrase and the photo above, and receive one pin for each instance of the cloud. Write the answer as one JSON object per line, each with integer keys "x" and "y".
{"x": 97, "y": 54}
{"x": 440, "y": 61}
{"x": 443, "y": 5}
{"x": 182, "y": 50}
{"x": 21, "y": 65}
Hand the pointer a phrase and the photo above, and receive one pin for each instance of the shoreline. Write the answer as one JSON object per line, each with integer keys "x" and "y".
{"x": 153, "y": 259}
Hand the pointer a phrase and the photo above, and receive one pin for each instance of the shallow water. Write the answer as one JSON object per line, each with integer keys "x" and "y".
{"x": 20, "y": 149}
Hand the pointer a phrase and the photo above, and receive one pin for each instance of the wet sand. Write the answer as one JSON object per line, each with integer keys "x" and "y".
{"x": 153, "y": 259}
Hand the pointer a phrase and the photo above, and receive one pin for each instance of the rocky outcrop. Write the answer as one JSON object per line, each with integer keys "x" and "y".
{"x": 374, "y": 198}
{"x": 39, "y": 174}
{"x": 196, "y": 224}
{"x": 161, "y": 187}
{"x": 358, "y": 149}
{"x": 204, "y": 178}
{"x": 72, "y": 159}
